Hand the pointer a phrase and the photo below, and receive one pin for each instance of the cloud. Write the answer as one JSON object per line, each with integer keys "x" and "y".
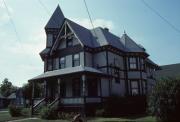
{"x": 97, "y": 23}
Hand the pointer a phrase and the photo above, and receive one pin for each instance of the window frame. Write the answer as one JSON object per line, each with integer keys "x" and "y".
{"x": 69, "y": 41}
{"x": 134, "y": 63}
{"x": 142, "y": 63}
{"x": 48, "y": 44}
{"x": 74, "y": 60}
{"x": 135, "y": 88}
{"x": 49, "y": 63}
{"x": 117, "y": 75}
{"x": 62, "y": 63}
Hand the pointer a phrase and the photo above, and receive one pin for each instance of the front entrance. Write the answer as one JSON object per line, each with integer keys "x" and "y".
{"x": 92, "y": 87}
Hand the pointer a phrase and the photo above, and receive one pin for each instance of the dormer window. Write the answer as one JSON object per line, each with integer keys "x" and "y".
{"x": 62, "y": 62}
{"x": 69, "y": 42}
{"x": 133, "y": 63}
{"x": 76, "y": 60}
{"x": 49, "y": 40}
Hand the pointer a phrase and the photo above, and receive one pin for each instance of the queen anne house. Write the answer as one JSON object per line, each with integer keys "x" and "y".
{"x": 84, "y": 67}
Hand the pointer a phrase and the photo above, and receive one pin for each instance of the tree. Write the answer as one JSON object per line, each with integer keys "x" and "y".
{"x": 27, "y": 90}
{"x": 164, "y": 101}
{"x": 6, "y": 88}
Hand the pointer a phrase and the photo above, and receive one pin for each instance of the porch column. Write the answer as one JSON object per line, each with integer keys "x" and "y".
{"x": 45, "y": 90}
{"x": 59, "y": 87}
{"x": 32, "y": 99}
{"x": 84, "y": 93}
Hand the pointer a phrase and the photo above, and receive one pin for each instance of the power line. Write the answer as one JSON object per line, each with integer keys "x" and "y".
{"x": 11, "y": 20}
{"x": 163, "y": 18}
{"x": 89, "y": 17}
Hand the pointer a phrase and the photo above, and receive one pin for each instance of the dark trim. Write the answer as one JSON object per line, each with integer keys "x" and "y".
{"x": 107, "y": 63}
{"x": 84, "y": 57}
{"x": 126, "y": 75}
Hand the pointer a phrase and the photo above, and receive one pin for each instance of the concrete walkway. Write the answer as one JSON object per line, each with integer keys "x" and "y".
{"x": 19, "y": 120}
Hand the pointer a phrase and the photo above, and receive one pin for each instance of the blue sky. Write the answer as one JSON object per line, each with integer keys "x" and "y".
{"x": 20, "y": 58}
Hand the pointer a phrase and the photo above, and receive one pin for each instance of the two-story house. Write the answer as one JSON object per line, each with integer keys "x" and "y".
{"x": 83, "y": 67}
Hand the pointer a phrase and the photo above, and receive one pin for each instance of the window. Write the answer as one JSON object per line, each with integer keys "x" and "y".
{"x": 69, "y": 42}
{"x": 49, "y": 64}
{"x": 76, "y": 60}
{"x": 92, "y": 87}
{"x": 56, "y": 63}
{"x": 142, "y": 64}
{"x": 134, "y": 88}
{"x": 49, "y": 40}
{"x": 132, "y": 63}
{"x": 62, "y": 63}
{"x": 117, "y": 75}
{"x": 76, "y": 88}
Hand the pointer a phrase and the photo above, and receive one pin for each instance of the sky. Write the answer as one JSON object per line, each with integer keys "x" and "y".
{"x": 19, "y": 53}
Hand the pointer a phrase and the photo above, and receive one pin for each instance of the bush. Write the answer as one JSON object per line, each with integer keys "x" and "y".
{"x": 99, "y": 112}
{"x": 15, "y": 111}
{"x": 25, "y": 112}
{"x": 49, "y": 113}
{"x": 164, "y": 101}
{"x": 64, "y": 115}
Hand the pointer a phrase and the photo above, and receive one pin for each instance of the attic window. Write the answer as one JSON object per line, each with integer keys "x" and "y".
{"x": 69, "y": 42}
{"x": 132, "y": 63}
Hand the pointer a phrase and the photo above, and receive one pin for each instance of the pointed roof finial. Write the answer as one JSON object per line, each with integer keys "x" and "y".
{"x": 124, "y": 32}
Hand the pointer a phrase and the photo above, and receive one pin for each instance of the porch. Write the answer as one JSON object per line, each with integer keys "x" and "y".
{"x": 72, "y": 89}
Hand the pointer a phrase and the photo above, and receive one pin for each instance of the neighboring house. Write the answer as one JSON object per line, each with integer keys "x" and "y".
{"x": 16, "y": 98}
{"x": 171, "y": 70}
{"x": 83, "y": 67}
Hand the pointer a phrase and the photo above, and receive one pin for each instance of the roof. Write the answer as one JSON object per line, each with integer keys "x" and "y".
{"x": 83, "y": 33}
{"x": 172, "y": 70}
{"x": 151, "y": 62}
{"x": 12, "y": 96}
{"x": 131, "y": 45}
{"x": 56, "y": 19}
{"x": 69, "y": 70}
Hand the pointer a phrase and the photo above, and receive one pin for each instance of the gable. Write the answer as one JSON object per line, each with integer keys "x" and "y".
{"x": 66, "y": 35}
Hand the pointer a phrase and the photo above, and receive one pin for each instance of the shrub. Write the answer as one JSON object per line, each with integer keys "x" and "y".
{"x": 164, "y": 101}
{"x": 49, "y": 113}
{"x": 99, "y": 112}
{"x": 64, "y": 115}
{"x": 25, "y": 112}
{"x": 14, "y": 111}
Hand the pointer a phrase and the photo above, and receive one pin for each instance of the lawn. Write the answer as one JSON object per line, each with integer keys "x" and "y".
{"x": 5, "y": 116}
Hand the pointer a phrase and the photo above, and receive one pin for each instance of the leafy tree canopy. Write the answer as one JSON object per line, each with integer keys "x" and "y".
{"x": 6, "y": 88}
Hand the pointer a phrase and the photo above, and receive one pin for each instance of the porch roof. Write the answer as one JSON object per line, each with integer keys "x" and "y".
{"x": 66, "y": 71}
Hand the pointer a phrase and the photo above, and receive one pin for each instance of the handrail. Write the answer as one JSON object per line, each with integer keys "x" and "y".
{"x": 52, "y": 103}
{"x": 38, "y": 104}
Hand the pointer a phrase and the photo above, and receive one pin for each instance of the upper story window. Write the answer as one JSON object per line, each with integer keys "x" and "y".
{"x": 49, "y": 64}
{"x": 62, "y": 63}
{"x": 132, "y": 63}
{"x": 56, "y": 63}
{"x": 134, "y": 88}
{"x": 69, "y": 42}
{"x": 117, "y": 75}
{"x": 142, "y": 64}
{"x": 49, "y": 40}
{"x": 76, "y": 60}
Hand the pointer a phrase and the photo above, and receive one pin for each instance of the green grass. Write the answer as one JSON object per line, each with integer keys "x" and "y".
{"x": 5, "y": 116}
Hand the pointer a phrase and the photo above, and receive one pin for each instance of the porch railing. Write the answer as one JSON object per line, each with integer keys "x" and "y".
{"x": 72, "y": 100}
{"x": 54, "y": 103}
{"x": 38, "y": 104}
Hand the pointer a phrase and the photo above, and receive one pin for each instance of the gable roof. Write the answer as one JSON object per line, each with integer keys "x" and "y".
{"x": 83, "y": 33}
{"x": 12, "y": 96}
{"x": 172, "y": 70}
{"x": 56, "y": 19}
